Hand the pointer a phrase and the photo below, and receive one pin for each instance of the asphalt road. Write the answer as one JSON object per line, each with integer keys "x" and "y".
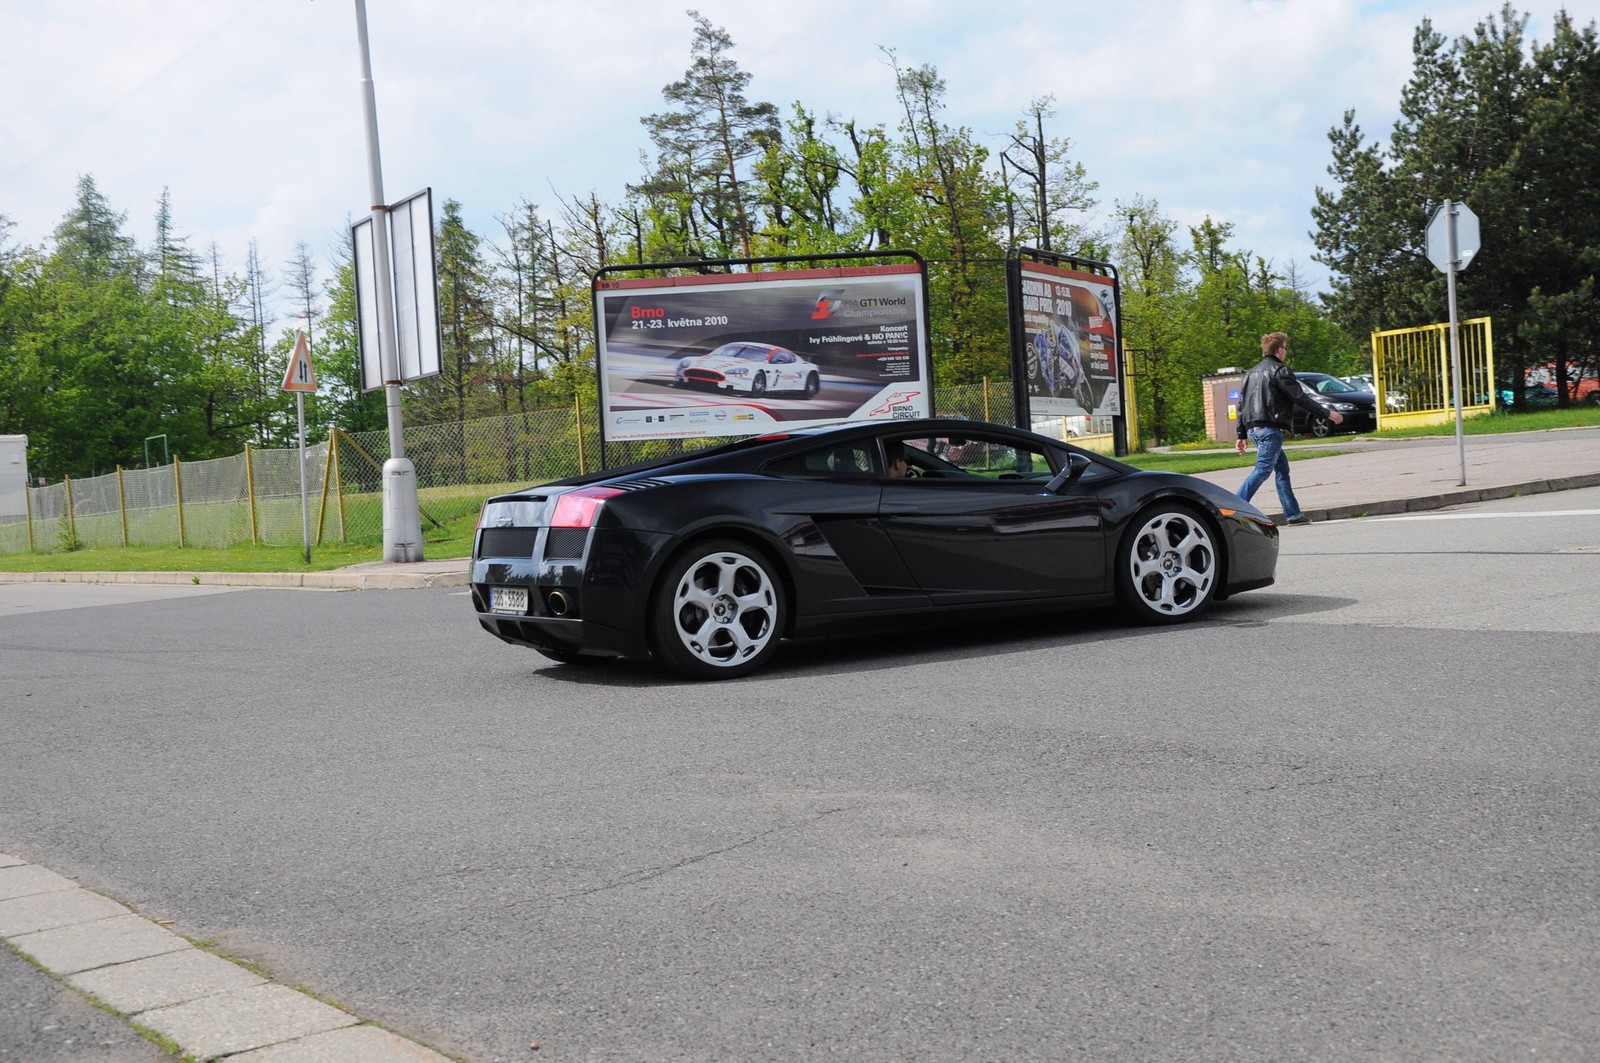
{"x": 1354, "y": 815}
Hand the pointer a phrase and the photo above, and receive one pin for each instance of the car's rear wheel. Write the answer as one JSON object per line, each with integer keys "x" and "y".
{"x": 718, "y": 611}
{"x": 1167, "y": 567}
{"x": 813, "y": 385}
{"x": 758, "y": 386}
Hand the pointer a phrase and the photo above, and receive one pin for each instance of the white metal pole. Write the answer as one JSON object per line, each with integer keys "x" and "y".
{"x": 1455, "y": 335}
{"x": 305, "y": 513}
{"x": 402, "y": 515}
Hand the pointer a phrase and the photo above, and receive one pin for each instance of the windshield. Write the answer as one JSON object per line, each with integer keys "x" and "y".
{"x": 1329, "y": 385}
{"x": 739, "y": 350}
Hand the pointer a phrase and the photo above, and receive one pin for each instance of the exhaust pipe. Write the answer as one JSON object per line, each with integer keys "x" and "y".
{"x": 559, "y": 604}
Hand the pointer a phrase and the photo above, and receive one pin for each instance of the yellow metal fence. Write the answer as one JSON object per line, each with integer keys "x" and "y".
{"x": 1411, "y": 371}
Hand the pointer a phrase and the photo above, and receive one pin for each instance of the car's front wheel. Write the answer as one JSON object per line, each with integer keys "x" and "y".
{"x": 718, "y": 611}
{"x": 813, "y": 385}
{"x": 1167, "y": 567}
{"x": 1321, "y": 427}
{"x": 758, "y": 386}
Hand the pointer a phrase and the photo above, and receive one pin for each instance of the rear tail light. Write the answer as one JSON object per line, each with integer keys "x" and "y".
{"x": 577, "y": 509}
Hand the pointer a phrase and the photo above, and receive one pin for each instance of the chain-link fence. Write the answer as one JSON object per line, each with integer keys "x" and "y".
{"x": 255, "y": 496}
{"x": 249, "y": 497}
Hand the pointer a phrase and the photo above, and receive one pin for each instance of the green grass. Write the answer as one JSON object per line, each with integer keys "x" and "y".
{"x": 454, "y": 539}
{"x": 1211, "y": 462}
{"x": 1503, "y": 421}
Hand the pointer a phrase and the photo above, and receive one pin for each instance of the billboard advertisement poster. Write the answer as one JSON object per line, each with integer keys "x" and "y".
{"x": 740, "y": 353}
{"x": 1069, "y": 329}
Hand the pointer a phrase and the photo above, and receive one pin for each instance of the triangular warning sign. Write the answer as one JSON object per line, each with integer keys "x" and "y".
{"x": 300, "y": 376}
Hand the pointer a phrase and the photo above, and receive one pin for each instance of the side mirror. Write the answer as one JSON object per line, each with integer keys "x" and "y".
{"x": 1076, "y": 466}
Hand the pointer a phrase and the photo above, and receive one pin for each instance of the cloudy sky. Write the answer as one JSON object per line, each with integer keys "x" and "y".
{"x": 250, "y": 111}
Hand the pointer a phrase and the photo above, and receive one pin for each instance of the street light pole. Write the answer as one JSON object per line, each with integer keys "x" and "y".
{"x": 402, "y": 515}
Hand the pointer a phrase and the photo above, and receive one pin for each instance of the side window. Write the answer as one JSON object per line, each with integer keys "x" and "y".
{"x": 964, "y": 457}
{"x": 999, "y": 459}
{"x": 783, "y": 358}
{"x": 842, "y": 461}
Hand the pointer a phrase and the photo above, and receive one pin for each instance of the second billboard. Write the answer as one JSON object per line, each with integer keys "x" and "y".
{"x": 737, "y": 354}
{"x": 1069, "y": 338}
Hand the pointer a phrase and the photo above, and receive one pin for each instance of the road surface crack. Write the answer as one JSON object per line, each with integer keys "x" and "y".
{"x": 646, "y": 874}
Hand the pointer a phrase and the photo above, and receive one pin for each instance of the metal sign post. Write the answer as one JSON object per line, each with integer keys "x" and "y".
{"x": 1453, "y": 242}
{"x": 301, "y": 378}
{"x": 402, "y": 513}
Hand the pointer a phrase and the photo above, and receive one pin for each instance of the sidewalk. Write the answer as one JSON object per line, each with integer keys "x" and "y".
{"x": 367, "y": 576}
{"x": 1406, "y": 475}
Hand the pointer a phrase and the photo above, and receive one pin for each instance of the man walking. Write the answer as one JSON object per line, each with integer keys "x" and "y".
{"x": 1270, "y": 393}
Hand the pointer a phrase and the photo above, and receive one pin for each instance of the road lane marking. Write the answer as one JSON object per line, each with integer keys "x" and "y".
{"x": 1486, "y": 516}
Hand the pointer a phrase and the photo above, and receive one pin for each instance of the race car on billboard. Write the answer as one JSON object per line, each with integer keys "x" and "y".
{"x": 1061, "y": 365}
{"x": 751, "y": 369}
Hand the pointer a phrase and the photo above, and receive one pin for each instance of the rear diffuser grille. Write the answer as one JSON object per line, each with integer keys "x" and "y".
{"x": 507, "y": 542}
{"x": 566, "y": 542}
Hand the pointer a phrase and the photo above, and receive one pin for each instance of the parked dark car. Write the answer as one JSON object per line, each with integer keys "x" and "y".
{"x": 1358, "y": 408}
{"x": 707, "y": 560}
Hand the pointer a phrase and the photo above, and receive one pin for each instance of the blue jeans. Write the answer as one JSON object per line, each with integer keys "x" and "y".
{"x": 1270, "y": 460}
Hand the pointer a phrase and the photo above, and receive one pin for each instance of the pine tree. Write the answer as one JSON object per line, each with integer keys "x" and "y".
{"x": 706, "y": 142}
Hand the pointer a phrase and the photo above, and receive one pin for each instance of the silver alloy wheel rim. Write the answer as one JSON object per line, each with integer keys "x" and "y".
{"x": 725, "y": 609}
{"x": 1172, "y": 563}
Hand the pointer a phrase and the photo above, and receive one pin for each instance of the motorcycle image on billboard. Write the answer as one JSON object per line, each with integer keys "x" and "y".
{"x": 736, "y": 354}
{"x": 1070, "y": 327}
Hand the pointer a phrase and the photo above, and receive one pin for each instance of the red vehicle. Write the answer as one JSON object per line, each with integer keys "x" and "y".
{"x": 1583, "y": 385}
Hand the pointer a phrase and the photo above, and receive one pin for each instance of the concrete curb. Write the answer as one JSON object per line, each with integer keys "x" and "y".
{"x": 334, "y": 580}
{"x": 1445, "y": 499}
{"x": 137, "y": 969}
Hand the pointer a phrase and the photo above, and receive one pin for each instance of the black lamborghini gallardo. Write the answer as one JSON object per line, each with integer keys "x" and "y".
{"x": 707, "y": 560}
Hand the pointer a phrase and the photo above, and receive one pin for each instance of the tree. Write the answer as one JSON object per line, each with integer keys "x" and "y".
{"x": 1508, "y": 129}
{"x": 710, "y": 136}
{"x": 940, "y": 199}
{"x": 1154, "y": 309}
{"x": 340, "y": 400}
{"x": 1057, "y": 188}
{"x": 90, "y": 238}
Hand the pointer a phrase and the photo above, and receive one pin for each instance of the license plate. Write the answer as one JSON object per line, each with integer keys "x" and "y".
{"x": 508, "y": 600}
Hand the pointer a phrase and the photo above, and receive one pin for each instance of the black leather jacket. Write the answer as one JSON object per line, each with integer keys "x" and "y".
{"x": 1269, "y": 395}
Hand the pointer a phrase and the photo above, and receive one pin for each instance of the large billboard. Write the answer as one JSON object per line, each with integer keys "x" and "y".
{"x": 733, "y": 354}
{"x": 1067, "y": 331}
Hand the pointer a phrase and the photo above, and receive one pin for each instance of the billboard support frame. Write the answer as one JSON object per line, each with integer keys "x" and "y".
{"x": 709, "y": 267}
{"x": 1015, "y": 257}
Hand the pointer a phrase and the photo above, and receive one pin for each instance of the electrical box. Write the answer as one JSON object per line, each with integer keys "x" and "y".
{"x": 1221, "y": 393}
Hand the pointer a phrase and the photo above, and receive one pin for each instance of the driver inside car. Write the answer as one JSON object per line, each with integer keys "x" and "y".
{"x": 894, "y": 454}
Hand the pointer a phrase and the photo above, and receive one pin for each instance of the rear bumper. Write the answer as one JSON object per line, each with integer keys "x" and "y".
{"x": 605, "y": 591}
{"x": 555, "y": 633}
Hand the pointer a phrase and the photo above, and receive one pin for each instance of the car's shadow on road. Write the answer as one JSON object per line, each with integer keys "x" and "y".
{"x": 942, "y": 639}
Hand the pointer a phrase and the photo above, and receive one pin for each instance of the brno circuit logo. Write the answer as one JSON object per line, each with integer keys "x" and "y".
{"x": 828, "y": 303}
